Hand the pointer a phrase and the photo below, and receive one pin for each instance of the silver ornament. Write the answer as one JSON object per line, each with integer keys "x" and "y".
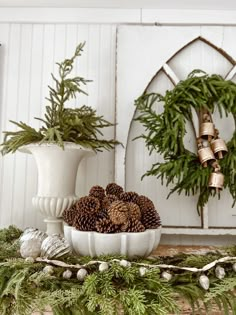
{"x": 166, "y": 275}
{"x": 48, "y": 269}
{"x": 81, "y": 274}
{"x": 234, "y": 267}
{"x": 219, "y": 272}
{"x": 204, "y": 282}
{"x": 30, "y": 248}
{"x": 55, "y": 246}
{"x": 142, "y": 271}
{"x": 67, "y": 274}
{"x": 32, "y": 233}
{"x": 103, "y": 267}
{"x": 125, "y": 263}
{"x": 29, "y": 260}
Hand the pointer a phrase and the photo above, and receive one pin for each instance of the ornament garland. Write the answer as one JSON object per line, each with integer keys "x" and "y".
{"x": 204, "y": 94}
{"x": 112, "y": 284}
{"x": 111, "y": 210}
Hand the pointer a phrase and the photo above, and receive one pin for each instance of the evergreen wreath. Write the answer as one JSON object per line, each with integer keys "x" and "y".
{"x": 60, "y": 124}
{"x": 165, "y": 133}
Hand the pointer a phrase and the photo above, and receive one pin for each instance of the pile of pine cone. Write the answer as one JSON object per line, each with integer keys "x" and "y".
{"x": 111, "y": 210}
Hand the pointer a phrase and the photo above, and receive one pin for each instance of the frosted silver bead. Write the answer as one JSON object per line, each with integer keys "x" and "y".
{"x": 81, "y": 274}
{"x": 48, "y": 269}
{"x": 220, "y": 272}
{"x": 125, "y": 263}
{"x": 204, "y": 282}
{"x": 103, "y": 267}
{"x": 234, "y": 267}
{"x": 29, "y": 259}
{"x": 142, "y": 271}
{"x": 30, "y": 248}
{"x": 166, "y": 275}
{"x": 67, "y": 274}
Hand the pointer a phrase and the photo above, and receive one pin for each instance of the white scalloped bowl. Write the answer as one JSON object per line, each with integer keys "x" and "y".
{"x": 129, "y": 244}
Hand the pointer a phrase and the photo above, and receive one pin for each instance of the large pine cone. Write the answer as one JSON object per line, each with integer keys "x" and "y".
{"x": 106, "y": 226}
{"x": 97, "y": 192}
{"x": 107, "y": 201}
{"x": 118, "y": 212}
{"x": 129, "y": 196}
{"x": 151, "y": 219}
{"x": 88, "y": 204}
{"x": 85, "y": 222}
{"x": 69, "y": 215}
{"x": 134, "y": 210}
{"x": 145, "y": 204}
{"x": 134, "y": 225}
{"x": 114, "y": 189}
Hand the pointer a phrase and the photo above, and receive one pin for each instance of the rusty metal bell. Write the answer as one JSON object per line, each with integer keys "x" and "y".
{"x": 216, "y": 180}
{"x": 219, "y": 148}
{"x": 206, "y": 156}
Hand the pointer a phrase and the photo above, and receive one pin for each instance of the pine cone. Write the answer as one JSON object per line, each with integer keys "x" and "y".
{"x": 114, "y": 189}
{"x": 145, "y": 204}
{"x": 88, "y": 205}
{"x": 129, "y": 196}
{"x": 97, "y": 192}
{"x": 85, "y": 222}
{"x": 102, "y": 214}
{"x": 107, "y": 201}
{"x": 134, "y": 225}
{"x": 106, "y": 226}
{"x": 118, "y": 212}
{"x": 69, "y": 215}
{"x": 134, "y": 210}
{"x": 151, "y": 219}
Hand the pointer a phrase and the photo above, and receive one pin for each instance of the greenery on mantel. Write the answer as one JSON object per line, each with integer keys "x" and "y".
{"x": 24, "y": 287}
{"x": 60, "y": 124}
{"x": 165, "y": 133}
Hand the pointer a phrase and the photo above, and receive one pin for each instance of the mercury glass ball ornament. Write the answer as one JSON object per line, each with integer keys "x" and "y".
{"x": 30, "y": 248}
{"x": 204, "y": 282}
{"x": 55, "y": 246}
{"x": 32, "y": 233}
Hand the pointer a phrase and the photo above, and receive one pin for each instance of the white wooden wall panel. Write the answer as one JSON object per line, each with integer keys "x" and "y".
{"x": 29, "y": 53}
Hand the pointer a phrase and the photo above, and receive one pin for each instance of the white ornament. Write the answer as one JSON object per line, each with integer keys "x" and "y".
{"x": 142, "y": 271}
{"x": 204, "y": 282}
{"x": 48, "y": 269}
{"x": 81, "y": 274}
{"x": 32, "y": 233}
{"x": 55, "y": 246}
{"x": 125, "y": 263}
{"x": 220, "y": 272}
{"x": 67, "y": 274}
{"x": 29, "y": 260}
{"x": 30, "y": 248}
{"x": 234, "y": 267}
{"x": 166, "y": 275}
{"x": 103, "y": 267}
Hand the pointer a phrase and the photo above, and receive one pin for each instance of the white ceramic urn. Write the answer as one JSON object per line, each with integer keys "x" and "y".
{"x": 57, "y": 171}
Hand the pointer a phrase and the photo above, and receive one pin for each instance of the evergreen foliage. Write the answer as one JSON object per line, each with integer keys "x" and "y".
{"x": 24, "y": 287}
{"x": 165, "y": 132}
{"x": 79, "y": 125}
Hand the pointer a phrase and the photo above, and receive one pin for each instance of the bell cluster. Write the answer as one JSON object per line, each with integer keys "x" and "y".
{"x": 211, "y": 148}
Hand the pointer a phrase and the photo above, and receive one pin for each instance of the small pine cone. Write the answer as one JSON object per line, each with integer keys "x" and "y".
{"x": 107, "y": 201}
{"x": 134, "y": 210}
{"x": 85, "y": 222}
{"x": 114, "y": 189}
{"x": 102, "y": 214}
{"x": 69, "y": 215}
{"x": 97, "y": 192}
{"x": 135, "y": 225}
{"x": 88, "y": 204}
{"x": 106, "y": 226}
{"x": 129, "y": 196}
{"x": 145, "y": 204}
{"x": 118, "y": 212}
{"x": 151, "y": 219}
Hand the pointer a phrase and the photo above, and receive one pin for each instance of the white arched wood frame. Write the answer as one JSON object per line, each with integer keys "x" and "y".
{"x": 122, "y": 134}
